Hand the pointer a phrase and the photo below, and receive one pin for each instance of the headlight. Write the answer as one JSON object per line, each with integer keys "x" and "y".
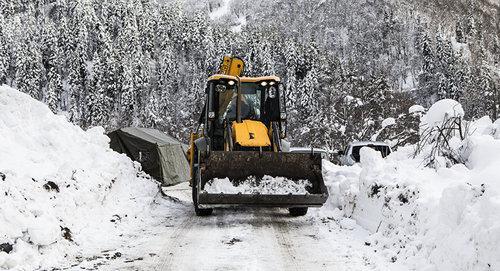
{"x": 271, "y": 83}
{"x": 263, "y": 83}
{"x": 230, "y": 82}
{"x": 283, "y": 115}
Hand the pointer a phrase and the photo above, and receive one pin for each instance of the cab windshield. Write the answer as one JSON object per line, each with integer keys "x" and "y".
{"x": 250, "y": 107}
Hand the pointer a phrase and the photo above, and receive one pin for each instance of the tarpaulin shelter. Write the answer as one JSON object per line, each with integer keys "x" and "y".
{"x": 160, "y": 155}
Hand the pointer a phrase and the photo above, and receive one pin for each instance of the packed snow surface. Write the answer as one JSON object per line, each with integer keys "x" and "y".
{"x": 266, "y": 185}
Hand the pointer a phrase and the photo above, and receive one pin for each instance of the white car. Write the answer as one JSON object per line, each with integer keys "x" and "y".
{"x": 323, "y": 152}
{"x": 350, "y": 155}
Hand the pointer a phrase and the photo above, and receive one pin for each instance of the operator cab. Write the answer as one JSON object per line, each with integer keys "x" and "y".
{"x": 234, "y": 99}
{"x": 251, "y": 107}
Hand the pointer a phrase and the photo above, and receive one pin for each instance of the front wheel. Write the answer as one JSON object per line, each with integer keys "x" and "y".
{"x": 197, "y": 210}
{"x": 298, "y": 211}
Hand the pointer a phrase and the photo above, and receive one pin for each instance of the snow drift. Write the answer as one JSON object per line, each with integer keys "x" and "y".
{"x": 424, "y": 218}
{"x": 63, "y": 190}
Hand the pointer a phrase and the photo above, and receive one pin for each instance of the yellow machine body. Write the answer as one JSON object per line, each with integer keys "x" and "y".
{"x": 233, "y": 66}
{"x": 251, "y": 133}
{"x": 239, "y": 137}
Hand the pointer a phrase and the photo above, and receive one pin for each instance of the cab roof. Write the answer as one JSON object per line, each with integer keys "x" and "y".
{"x": 244, "y": 79}
{"x": 260, "y": 78}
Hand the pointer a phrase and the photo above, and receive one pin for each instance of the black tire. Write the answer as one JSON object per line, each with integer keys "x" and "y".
{"x": 197, "y": 210}
{"x": 298, "y": 211}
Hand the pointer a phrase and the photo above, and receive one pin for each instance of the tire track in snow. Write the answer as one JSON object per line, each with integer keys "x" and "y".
{"x": 282, "y": 235}
{"x": 173, "y": 244}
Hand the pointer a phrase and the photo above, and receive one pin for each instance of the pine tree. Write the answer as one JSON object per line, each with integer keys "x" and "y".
{"x": 52, "y": 63}
{"x": 29, "y": 66}
{"x": 4, "y": 55}
{"x": 98, "y": 103}
{"x": 153, "y": 112}
{"x": 127, "y": 99}
{"x": 78, "y": 74}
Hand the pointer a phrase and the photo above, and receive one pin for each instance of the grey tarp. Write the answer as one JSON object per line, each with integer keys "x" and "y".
{"x": 160, "y": 155}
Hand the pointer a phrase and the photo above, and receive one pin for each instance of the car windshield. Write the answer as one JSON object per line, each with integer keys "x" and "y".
{"x": 384, "y": 150}
{"x": 250, "y": 103}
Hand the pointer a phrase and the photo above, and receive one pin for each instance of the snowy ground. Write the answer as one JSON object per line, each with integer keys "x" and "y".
{"x": 257, "y": 239}
{"x": 234, "y": 239}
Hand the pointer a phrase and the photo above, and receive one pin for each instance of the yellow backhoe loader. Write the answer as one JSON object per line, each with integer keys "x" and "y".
{"x": 239, "y": 135}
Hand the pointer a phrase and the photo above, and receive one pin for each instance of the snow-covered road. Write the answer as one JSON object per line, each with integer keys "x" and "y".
{"x": 249, "y": 239}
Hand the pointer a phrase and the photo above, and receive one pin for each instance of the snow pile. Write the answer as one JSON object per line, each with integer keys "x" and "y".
{"x": 428, "y": 219}
{"x": 441, "y": 111}
{"x": 63, "y": 190}
{"x": 388, "y": 121}
{"x": 416, "y": 109}
{"x": 252, "y": 185}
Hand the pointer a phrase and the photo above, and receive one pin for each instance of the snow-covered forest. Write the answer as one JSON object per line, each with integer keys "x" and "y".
{"x": 347, "y": 65}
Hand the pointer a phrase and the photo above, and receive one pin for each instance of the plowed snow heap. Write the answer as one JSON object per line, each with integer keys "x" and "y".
{"x": 443, "y": 218}
{"x": 62, "y": 190}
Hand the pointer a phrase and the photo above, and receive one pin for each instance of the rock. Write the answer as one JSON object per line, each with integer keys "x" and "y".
{"x": 66, "y": 233}
{"x": 50, "y": 185}
{"x": 116, "y": 255}
{"x": 6, "y": 247}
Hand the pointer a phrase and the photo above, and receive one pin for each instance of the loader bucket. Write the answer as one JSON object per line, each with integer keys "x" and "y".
{"x": 237, "y": 166}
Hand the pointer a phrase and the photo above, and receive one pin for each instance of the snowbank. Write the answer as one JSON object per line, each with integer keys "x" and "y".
{"x": 266, "y": 185}
{"x": 441, "y": 111}
{"x": 63, "y": 190}
{"x": 428, "y": 219}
